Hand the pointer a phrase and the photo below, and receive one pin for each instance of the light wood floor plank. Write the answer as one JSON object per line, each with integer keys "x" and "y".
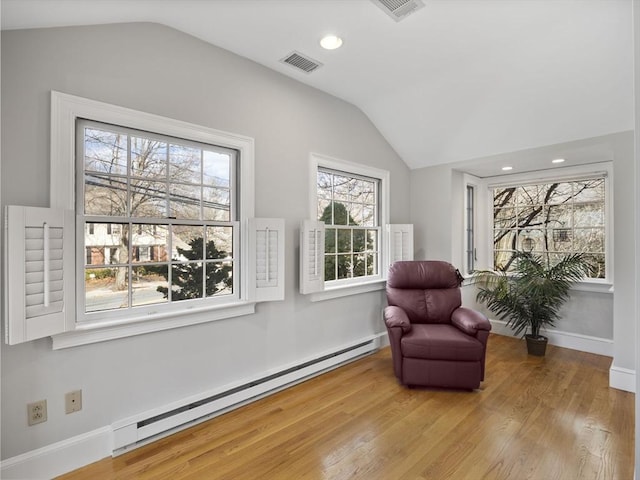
{"x": 533, "y": 418}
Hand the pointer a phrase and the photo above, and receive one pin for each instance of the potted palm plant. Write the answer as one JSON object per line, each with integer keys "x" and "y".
{"x": 529, "y": 297}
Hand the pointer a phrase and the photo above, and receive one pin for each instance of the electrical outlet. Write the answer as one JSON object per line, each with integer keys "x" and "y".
{"x": 73, "y": 401}
{"x": 37, "y": 412}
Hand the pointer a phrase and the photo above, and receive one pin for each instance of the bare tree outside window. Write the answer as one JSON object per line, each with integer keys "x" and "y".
{"x": 552, "y": 220}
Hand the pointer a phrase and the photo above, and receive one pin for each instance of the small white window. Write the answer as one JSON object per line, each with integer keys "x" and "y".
{"x": 347, "y": 241}
{"x": 470, "y": 225}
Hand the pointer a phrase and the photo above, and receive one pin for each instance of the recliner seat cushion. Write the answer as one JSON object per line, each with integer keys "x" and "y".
{"x": 440, "y": 342}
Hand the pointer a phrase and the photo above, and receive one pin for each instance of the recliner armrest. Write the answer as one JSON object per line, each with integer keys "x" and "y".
{"x": 470, "y": 321}
{"x": 397, "y": 317}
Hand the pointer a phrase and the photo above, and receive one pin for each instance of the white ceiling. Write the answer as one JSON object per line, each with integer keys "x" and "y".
{"x": 457, "y": 80}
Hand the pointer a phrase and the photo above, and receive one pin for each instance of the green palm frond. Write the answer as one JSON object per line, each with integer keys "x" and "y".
{"x": 530, "y": 298}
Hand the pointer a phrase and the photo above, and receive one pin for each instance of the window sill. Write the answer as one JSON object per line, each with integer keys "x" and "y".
{"x": 594, "y": 286}
{"x": 85, "y": 334}
{"x": 347, "y": 290}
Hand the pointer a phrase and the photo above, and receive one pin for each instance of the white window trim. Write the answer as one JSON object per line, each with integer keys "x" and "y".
{"x": 65, "y": 109}
{"x": 353, "y": 286}
{"x": 596, "y": 285}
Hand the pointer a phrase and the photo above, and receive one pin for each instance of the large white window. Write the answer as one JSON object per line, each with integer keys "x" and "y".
{"x": 552, "y": 219}
{"x": 164, "y": 234}
{"x": 158, "y": 219}
{"x": 347, "y": 244}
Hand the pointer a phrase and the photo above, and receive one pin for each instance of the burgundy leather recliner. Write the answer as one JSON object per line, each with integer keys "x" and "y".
{"x": 434, "y": 341}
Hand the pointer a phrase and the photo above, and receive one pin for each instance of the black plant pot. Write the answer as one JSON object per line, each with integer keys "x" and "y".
{"x": 536, "y": 345}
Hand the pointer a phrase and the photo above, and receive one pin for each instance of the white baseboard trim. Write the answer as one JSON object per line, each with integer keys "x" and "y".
{"x": 574, "y": 341}
{"x": 383, "y": 339}
{"x": 60, "y": 457}
{"x": 622, "y": 379}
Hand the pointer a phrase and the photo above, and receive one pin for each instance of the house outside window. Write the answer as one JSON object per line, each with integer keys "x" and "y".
{"x": 551, "y": 219}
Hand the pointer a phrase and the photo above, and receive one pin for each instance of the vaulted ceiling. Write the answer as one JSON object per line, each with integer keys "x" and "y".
{"x": 456, "y": 80}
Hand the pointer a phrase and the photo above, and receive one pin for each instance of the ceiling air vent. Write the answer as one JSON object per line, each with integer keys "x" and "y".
{"x": 399, "y": 9}
{"x": 301, "y": 62}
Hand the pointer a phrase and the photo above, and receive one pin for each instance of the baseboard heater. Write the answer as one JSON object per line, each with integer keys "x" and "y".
{"x": 153, "y": 425}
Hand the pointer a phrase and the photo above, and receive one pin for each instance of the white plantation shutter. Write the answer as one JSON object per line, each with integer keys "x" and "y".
{"x": 311, "y": 257}
{"x": 266, "y": 245}
{"x": 400, "y": 240}
{"x": 38, "y": 273}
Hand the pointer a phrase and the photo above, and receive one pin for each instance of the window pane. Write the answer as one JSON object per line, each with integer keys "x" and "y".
{"x": 216, "y": 169}
{"x": 504, "y": 239}
{"x": 341, "y": 187}
{"x": 344, "y": 264}
{"x": 356, "y": 216}
{"x": 344, "y": 241}
{"x": 589, "y": 191}
{"x": 359, "y": 240}
{"x": 597, "y": 262}
{"x": 325, "y": 187}
{"x": 324, "y": 211}
{"x": 187, "y": 242}
{"x": 561, "y": 193}
{"x": 184, "y": 164}
{"x": 216, "y": 204}
{"x": 502, "y": 259}
{"x": 532, "y": 216}
{"x": 105, "y": 195}
{"x": 149, "y": 285}
{"x": 150, "y": 243}
{"x": 184, "y": 201}
{"x": 329, "y": 267}
{"x": 369, "y": 217}
{"x": 530, "y": 194}
{"x": 504, "y": 218}
{"x": 106, "y": 288}
{"x": 359, "y": 265}
{"x": 330, "y": 240}
{"x": 340, "y": 214}
{"x": 148, "y": 159}
{"x": 148, "y": 199}
{"x": 219, "y": 242}
{"x": 372, "y": 241}
{"x": 588, "y": 214}
{"x": 361, "y": 191}
{"x": 559, "y": 216}
{"x": 105, "y": 152}
{"x": 589, "y": 240}
{"x": 219, "y": 278}
{"x": 372, "y": 264}
{"x": 504, "y": 197}
{"x": 186, "y": 281}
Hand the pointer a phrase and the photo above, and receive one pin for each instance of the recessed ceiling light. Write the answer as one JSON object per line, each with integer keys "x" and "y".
{"x": 331, "y": 42}
{"x": 557, "y": 160}
{"x": 506, "y": 169}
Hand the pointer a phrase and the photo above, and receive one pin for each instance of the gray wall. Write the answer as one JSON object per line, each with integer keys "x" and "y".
{"x": 155, "y": 69}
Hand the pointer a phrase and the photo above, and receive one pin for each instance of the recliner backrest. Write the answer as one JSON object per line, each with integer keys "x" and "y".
{"x": 428, "y": 291}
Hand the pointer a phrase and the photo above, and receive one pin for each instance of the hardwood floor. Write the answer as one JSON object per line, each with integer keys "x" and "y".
{"x": 533, "y": 418}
